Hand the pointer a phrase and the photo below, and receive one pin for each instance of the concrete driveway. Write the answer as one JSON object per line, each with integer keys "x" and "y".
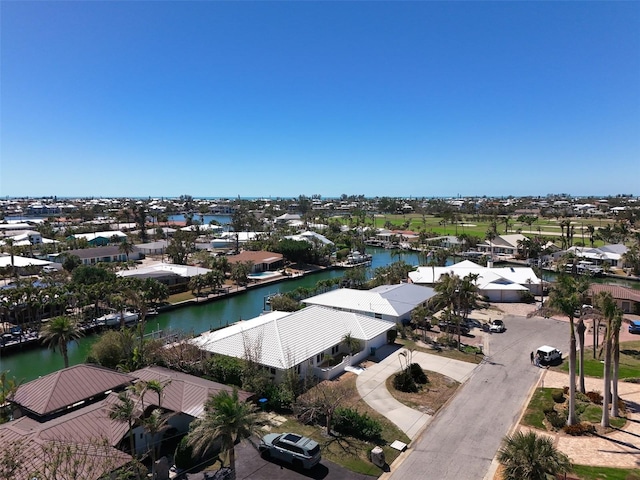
{"x": 463, "y": 438}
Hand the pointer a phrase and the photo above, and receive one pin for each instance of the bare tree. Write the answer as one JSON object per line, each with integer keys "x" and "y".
{"x": 320, "y": 403}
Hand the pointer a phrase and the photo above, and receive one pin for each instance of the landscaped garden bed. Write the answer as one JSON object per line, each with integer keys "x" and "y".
{"x": 430, "y": 397}
{"x": 547, "y": 410}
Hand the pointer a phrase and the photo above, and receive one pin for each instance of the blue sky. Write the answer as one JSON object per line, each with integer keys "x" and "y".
{"x": 221, "y": 99}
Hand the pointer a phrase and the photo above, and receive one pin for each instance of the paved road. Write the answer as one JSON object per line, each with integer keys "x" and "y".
{"x": 462, "y": 440}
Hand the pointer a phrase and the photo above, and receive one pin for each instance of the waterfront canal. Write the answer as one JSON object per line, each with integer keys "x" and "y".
{"x": 32, "y": 363}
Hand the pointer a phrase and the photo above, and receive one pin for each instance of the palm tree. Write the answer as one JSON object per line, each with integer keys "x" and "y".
{"x": 125, "y": 411}
{"x": 153, "y": 425}
{"x": 528, "y": 456}
{"x": 352, "y": 343}
{"x": 226, "y": 419}
{"x": 565, "y": 297}
{"x": 58, "y": 332}
{"x": 613, "y": 317}
{"x": 126, "y": 247}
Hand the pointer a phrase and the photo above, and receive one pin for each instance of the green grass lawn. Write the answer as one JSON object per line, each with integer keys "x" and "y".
{"x": 629, "y": 362}
{"x": 541, "y": 400}
{"x": 605, "y": 473}
{"x": 181, "y": 297}
{"x": 478, "y": 226}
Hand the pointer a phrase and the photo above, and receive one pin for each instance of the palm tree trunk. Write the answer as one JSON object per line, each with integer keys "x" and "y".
{"x": 581, "y": 329}
{"x": 607, "y": 380}
{"x": 571, "y": 417}
{"x": 614, "y": 379}
{"x": 65, "y": 354}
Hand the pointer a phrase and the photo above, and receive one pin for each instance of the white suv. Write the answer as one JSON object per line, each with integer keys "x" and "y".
{"x": 301, "y": 452}
{"x": 548, "y": 355}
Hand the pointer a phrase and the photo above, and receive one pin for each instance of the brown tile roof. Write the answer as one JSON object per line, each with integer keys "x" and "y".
{"x": 67, "y": 387}
{"x": 256, "y": 257}
{"x": 79, "y": 440}
{"x": 183, "y": 393}
{"x": 618, "y": 292}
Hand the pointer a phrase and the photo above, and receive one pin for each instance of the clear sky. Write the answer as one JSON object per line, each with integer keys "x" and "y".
{"x": 221, "y": 99}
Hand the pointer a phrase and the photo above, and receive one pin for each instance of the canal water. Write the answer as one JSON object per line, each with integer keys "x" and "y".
{"x": 33, "y": 363}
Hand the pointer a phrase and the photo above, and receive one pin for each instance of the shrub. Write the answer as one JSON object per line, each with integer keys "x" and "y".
{"x": 582, "y": 397}
{"x": 565, "y": 390}
{"x": 558, "y": 396}
{"x": 349, "y": 421}
{"x": 418, "y": 374}
{"x": 404, "y": 382}
{"x": 447, "y": 340}
{"x": 595, "y": 397}
{"x": 527, "y": 297}
{"x": 632, "y": 380}
{"x": 183, "y": 456}
{"x": 391, "y": 336}
{"x": 279, "y": 397}
{"x": 582, "y": 428}
{"x": 556, "y": 419}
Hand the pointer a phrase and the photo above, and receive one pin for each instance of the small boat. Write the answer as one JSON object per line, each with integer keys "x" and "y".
{"x": 114, "y": 319}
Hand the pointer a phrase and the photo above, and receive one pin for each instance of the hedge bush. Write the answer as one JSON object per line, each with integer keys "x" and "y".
{"x": 556, "y": 419}
{"x": 579, "y": 429}
{"x": 404, "y": 382}
{"x": 349, "y": 421}
{"x": 418, "y": 374}
{"x": 558, "y": 396}
{"x": 595, "y": 397}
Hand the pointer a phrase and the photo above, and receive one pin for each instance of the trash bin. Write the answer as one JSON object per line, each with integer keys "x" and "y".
{"x": 377, "y": 457}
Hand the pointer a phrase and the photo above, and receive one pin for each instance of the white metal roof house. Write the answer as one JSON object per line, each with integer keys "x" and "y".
{"x": 504, "y": 245}
{"x": 311, "y": 237}
{"x": 502, "y": 284}
{"x": 611, "y": 254}
{"x": 303, "y": 340}
{"x": 393, "y": 303}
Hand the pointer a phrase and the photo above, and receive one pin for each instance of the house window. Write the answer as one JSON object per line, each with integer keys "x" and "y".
{"x": 335, "y": 349}
{"x": 272, "y": 371}
{"x": 319, "y": 357}
{"x": 378, "y": 315}
{"x": 297, "y": 369}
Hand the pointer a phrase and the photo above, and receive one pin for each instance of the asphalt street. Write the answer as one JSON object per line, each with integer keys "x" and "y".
{"x": 462, "y": 440}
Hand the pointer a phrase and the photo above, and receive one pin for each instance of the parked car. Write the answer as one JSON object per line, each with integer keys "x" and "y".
{"x": 497, "y": 326}
{"x": 548, "y": 355}
{"x": 299, "y": 451}
{"x": 452, "y": 327}
{"x": 634, "y": 326}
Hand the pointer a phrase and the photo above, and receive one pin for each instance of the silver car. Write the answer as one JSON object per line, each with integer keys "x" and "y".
{"x": 299, "y": 451}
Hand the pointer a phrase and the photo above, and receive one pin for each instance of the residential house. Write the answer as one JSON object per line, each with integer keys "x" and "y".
{"x": 98, "y": 239}
{"x": 304, "y": 340}
{"x": 393, "y": 303}
{"x": 262, "y": 261}
{"x": 606, "y": 254}
{"x": 627, "y": 299}
{"x": 92, "y": 256}
{"x": 502, "y": 284}
{"x": 70, "y": 409}
{"x": 175, "y": 277}
{"x": 505, "y": 246}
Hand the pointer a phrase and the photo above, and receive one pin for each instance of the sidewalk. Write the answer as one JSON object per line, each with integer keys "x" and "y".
{"x": 372, "y": 388}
